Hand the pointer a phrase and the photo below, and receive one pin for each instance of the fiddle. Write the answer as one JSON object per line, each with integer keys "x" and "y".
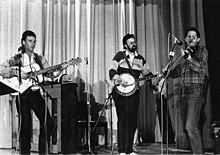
{"x": 189, "y": 51}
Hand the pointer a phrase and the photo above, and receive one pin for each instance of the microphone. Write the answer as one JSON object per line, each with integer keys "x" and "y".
{"x": 177, "y": 40}
{"x": 21, "y": 49}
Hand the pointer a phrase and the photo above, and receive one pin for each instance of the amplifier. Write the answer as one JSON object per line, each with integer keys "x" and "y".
{"x": 216, "y": 131}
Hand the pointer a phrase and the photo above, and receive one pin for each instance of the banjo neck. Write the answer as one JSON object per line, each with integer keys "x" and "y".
{"x": 146, "y": 78}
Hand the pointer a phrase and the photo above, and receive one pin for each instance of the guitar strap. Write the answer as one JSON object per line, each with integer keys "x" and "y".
{"x": 38, "y": 60}
{"x": 126, "y": 59}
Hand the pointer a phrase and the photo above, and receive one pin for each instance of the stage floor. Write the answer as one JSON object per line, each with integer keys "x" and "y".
{"x": 151, "y": 148}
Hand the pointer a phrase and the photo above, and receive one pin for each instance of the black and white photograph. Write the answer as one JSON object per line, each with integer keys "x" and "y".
{"x": 117, "y": 77}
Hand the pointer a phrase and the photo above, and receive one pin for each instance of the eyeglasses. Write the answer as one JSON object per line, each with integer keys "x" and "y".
{"x": 132, "y": 43}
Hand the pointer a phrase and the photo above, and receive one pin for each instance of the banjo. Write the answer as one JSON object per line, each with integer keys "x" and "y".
{"x": 130, "y": 86}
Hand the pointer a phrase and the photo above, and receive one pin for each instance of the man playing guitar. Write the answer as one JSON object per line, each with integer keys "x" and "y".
{"x": 30, "y": 99}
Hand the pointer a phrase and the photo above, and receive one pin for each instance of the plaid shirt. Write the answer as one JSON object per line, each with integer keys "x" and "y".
{"x": 192, "y": 71}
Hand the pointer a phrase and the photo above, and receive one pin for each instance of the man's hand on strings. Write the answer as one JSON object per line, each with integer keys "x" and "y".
{"x": 24, "y": 75}
{"x": 121, "y": 82}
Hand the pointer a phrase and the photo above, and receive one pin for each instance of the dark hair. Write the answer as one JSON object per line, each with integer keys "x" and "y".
{"x": 193, "y": 29}
{"x": 125, "y": 38}
{"x": 26, "y": 34}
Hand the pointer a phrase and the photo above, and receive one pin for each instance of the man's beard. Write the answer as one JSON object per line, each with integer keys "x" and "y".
{"x": 132, "y": 49}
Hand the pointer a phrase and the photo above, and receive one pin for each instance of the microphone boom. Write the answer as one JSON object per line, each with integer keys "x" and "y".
{"x": 179, "y": 42}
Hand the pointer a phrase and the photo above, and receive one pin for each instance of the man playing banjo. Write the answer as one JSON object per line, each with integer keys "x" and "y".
{"x": 127, "y": 66}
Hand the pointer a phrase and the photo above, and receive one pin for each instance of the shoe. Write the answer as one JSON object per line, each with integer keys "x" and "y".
{"x": 133, "y": 153}
{"x": 122, "y": 153}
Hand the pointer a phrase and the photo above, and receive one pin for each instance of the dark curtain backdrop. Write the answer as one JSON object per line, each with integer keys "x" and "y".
{"x": 212, "y": 31}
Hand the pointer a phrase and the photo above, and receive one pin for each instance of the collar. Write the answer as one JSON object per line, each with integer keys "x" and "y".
{"x": 135, "y": 53}
{"x": 24, "y": 53}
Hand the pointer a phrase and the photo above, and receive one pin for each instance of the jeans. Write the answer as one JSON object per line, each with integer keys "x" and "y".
{"x": 190, "y": 108}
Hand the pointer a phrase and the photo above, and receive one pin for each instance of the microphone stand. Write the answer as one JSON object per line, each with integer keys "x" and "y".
{"x": 168, "y": 67}
{"x": 111, "y": 123}
{"x": 19, "y": 71}
{"x": 111, "y": 126}
{"x": 88, "y": 132}
{"x": 19, "y": 101}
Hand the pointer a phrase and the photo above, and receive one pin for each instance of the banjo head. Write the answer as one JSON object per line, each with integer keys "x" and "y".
{"x": 131, "y": 85}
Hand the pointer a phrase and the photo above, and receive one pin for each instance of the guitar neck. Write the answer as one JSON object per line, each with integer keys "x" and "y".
{"x": 51, "y": 69}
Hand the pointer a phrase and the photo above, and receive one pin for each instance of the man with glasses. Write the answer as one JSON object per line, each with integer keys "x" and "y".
{"x": 192, "y": 73}
{"x": 124, "y": 62}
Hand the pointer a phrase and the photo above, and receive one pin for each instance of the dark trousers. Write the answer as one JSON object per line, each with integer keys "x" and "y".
{"x": 126, "y": 109}
{"x": 164, "y": 112}
{"x": 32, "y": 100}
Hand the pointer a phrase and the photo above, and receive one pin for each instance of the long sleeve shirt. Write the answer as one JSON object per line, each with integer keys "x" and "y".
{"x": 193, "y": 70}
{"x": 119, "y": 65}
{"x": 25, "y": 61}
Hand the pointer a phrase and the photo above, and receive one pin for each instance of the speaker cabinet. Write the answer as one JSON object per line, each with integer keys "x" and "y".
{"x": 69, "y": 101}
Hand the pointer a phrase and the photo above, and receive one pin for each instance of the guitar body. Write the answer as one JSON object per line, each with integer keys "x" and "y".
{"x": 131, "y": 85}
{"x": 26, "y": 83}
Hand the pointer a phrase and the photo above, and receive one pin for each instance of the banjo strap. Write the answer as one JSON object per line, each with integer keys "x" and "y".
{"x": 126, "y": 59}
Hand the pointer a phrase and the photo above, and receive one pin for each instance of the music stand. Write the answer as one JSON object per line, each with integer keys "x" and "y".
{"x": 7, "y": 88}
